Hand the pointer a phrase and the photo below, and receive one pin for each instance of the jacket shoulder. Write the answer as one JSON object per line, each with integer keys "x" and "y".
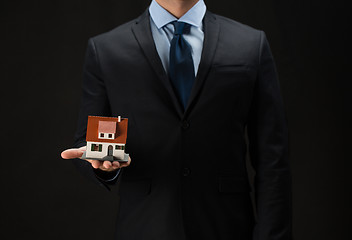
{"x": 121, "y": 30}
{"x": 233, "y": 25}
{"x": 237, "y": 42}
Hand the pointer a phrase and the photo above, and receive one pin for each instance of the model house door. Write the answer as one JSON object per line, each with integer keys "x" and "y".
{"x": 110, "y": 148}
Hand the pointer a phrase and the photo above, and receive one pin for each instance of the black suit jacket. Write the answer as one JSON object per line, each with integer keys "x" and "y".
{"x": 188, "y": 177}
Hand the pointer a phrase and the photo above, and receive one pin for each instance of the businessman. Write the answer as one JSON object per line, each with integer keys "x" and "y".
{"x": 191, "y": 83}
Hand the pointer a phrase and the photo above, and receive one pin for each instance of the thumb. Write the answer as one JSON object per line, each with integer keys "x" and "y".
{"x": 72, "y": 153}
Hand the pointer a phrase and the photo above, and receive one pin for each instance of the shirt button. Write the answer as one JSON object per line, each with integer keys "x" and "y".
{"x": 186, "y": 172}
{"x": 185, "y": 124}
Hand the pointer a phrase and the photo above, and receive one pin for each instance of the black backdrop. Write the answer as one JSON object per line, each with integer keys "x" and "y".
{"x": 42, "y": 51}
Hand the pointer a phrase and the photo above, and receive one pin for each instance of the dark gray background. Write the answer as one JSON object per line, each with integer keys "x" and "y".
{"x": 42, "y": 51}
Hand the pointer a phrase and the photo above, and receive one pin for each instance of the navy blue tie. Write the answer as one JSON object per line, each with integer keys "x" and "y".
{"x": 181, "y": 68}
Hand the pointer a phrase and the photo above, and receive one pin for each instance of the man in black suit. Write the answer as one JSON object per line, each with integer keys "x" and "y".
{"x": 188, "y": 178}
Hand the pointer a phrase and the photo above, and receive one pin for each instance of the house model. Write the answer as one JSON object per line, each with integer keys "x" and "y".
{"x": 106, "y": 138}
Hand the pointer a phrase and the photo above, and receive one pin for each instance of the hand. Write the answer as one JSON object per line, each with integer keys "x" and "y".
{"x": 107, "y": 166}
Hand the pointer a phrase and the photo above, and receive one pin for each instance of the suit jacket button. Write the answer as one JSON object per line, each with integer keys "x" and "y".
{"x": 186, "y": 172}
{"x": 185, "y": 124}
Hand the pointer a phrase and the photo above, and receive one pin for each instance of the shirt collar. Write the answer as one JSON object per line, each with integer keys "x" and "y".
{"x": 161, "y": 17}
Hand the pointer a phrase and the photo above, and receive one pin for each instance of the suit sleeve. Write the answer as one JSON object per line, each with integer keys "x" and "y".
{"x": 268, "y": 147}
{"x": 94, "y": 102}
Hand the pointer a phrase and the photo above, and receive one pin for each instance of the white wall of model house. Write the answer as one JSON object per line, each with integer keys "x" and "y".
{"x": 117, "y": 150}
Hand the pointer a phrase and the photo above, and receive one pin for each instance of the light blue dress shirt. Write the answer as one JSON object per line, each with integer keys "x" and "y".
{"x": 163, "y": 30}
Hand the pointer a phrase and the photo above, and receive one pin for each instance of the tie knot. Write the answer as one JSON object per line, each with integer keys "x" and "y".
{"x": 181, "y": 28}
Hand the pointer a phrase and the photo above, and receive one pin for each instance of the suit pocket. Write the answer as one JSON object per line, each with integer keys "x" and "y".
{"x": 231, "y": 68}
{"x": 232, "y": 79}
{"x": 231, "y": 183}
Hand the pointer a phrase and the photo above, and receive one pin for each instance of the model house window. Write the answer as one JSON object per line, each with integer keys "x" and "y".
{"x": 102, "y": 135}
{"x": 107, "y": 129}
{"x": 118, "y": 147}
{"x": 96, "y": 147}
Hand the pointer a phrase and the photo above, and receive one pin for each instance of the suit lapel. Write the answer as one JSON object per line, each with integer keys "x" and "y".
{"x": 211, "y": 35}
{"x": 143, "y": 34}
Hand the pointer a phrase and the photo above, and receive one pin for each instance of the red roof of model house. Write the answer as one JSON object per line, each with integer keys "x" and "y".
{"x": 107, "y": 126}
{"x": 97, "y": 125}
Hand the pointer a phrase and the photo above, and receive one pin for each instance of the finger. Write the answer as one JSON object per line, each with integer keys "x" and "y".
{"x": 96, "y": 164}
{"x": 102, "y": 165}
{"x": 105, "y": 167}
{"x": 107, "y": 164}
{"x": 115, "y": 164}
{"x": 125, "y": 164}
{"x": 72, "y": 153}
